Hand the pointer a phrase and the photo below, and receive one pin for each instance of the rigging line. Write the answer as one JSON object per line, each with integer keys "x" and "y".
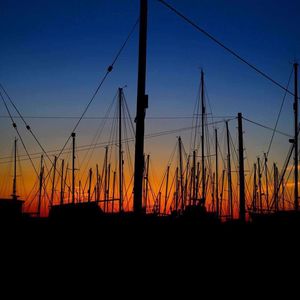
{"x": 109, "y": 69}
{"x": 102, "y": 144}
{"x": 18, "y": 133}
{"x": 267, "y": 127}
{"x": 24, "y": 121}
{"x": 279, "y": 113}
{"x": 108, "y": 118}
{"x": 235, "y": 54}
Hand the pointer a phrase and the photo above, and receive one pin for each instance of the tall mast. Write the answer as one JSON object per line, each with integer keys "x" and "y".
{"x": 142, "y": 104}
{"x": 267, "y": 180}
{"x": 40, "y": 188}
{"x": 90, "y": 184}
{"x": 62, "y": 183}
{"x": 296, "y": 203}
{"x": 177, "y": 190}
{"x": 241, "y": 169}
{"x": 108, "y": 186}
{"x": 221, "y": 194}
{"x": 276, "y": 187}
{"x": 181, "y": 172}
{"x": 97, "y": 183}
{"x": 113, "y": 193}
{"x": 197, "y": 182}
{"x": 14, "y": 193}
{"x": 229, "y": 174}
{"x": 254, "y": 204}
{"x": 120, "y": 153}
{"x": 146, "y": 183}
{"x": 53, "y": 180}
{"x": 105, "y": 176}
{"x": 73, "y": 168}
{"x": 259, "y": 185}
{"x": 79, "y": 192}
{"x": 193, "y": 179}
{"x": 167, "y": 187}
{"x": 202, "y": 135}
{"x": 217, "y": 173}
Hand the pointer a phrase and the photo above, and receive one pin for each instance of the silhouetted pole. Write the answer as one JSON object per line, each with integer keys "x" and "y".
{"x": 62, "y": 182}
{"x": 222, "y": 191}
{"x": 296, "y": 204}
{"x": 254, "y": 190}
{"x": 40, "y": 188}
{"x": 241, "y": 168}
{"x": 113, "y": 195}
{"x": 79, "y": 192}
{"x": 181, "y": 171}
{"x": 217, "y": 173}
{"x": 167, "y": 188}
{"x": 73, "y": 168}
{"x": 120, "y": 153}
{"x": 267, "y": 180}
{"x": 197, "y": 181}
{"x": 142, "y": 104}
{"x": 276, "y": 187}
{"x": 105, "y": 176}
{"x": 194, "y": 178}
{"x": 146, "y": 182}
{"x": 177, "y": 189}
{"x": 229, "y": 173}
{"x": 14, "y": 193}
{"x": 108, "y": 186}
{"x": 90, "y": 184}
{"x": 259, "y": 185}
{"x": 53, "y": 180}
{"x": 202, "y": 136}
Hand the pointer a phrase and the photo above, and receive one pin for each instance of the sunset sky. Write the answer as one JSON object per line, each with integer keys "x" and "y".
{"x": 53, "y": 55}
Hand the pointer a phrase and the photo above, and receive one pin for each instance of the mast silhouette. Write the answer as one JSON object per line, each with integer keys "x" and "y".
{"x": 40, "y": 187}
{"x": 53, "y": 180}
{"x": 202, "y": 136}
{"x": 142, "y": 104}
{"x": 229, "y": 174}
{"x": 296, "y": 203}
{"x": 217, "y": 173}
{"x": 120, "y": 153}
{"x": 14, "y": 193}
{"x": 73, "y": 167}
{"x": 241, "y": 169}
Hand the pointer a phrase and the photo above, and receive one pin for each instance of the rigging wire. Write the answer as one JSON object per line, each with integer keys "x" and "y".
{"x": 279, "y": 113}
{"x": 232, "y": 52}
{"x": 266, "y": 127}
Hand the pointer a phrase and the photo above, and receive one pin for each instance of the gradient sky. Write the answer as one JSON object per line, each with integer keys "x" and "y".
{"x": 54, "y": 53}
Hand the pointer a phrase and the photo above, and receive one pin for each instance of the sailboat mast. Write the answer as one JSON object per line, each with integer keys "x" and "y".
{"x": 202, "y": 135}
{"x": 241, "y": 169}
{"x": 296, "y": 203}
{"x": 142, "y": 104}
{"x": 73, "y": 168}
{"x": 120, "y": 153}
{"x": 167, "y": 187}
{"x": 259, "y": 185}
{"x": 53, "y": 180}
{"x": 181, "y": 172}
{"x": 40, "y": 188}
{"x": 217, "y": 172}
{"x": 229, "y": 174}
{"x": 267, "y": 180}
{"x": 14, "y": 193}
{"x": 146, "y": 182}
{"x": 90, "y": 185}
{"x": 62, "y": 183}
